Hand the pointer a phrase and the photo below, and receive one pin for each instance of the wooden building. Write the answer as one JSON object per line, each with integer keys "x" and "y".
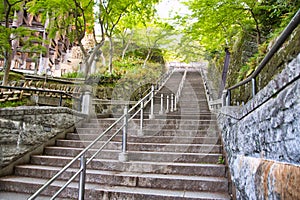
{"x": 57, "y": 49}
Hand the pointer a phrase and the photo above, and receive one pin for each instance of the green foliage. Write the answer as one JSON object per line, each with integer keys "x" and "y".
{"x": 73, "y": 75}
{"x": 127, "y": 64}
{"x": 13, "y": 76}
{"x": 103, "y": 78}
{"x": 23, "y": 102}
{"x": 221, "y": 160}
{"x": 141, "y": 53}
{"x": 246, "y": 27}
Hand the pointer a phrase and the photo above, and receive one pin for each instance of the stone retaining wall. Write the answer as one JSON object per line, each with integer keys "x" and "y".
{"x": 262, "y": 139}
{"x": 24, "y": 128}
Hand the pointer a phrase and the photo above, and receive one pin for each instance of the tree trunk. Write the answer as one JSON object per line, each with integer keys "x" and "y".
{"x": 103, "y": 59}
{"x": 258, "y": 38}
{"x": 147, "y": 57}
{"x": 89, "y": 59}
{"x": 7, "y": 64}
{"x": 111, "y": 52}
{"x": 127, "y": 45}
{"x": 125, "y": 49}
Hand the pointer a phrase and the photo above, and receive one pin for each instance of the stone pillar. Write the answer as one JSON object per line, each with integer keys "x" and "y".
{"x": 86, "y": 102}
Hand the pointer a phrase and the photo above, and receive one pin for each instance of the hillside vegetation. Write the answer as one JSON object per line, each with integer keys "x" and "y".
{"x": 248, "y": 28}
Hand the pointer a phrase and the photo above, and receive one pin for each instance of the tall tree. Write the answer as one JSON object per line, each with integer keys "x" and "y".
{"x": 153, "y": 36}
{"x": 216, "y": 23}
{"x": 111, "y": 13}
{"x": 8, "y": 33}
{"x": 74, "y": 18}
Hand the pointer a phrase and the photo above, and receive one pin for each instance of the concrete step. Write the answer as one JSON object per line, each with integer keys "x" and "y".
{"x": 136, "y": 124}
{"x": 138, "y": 155}
{"x": 97, "y": 191}
{"x": 195, "y": 169}
{"x": 176, "y": 158}
{"x": 205, "y": 132}
{"x": 161, "y": 147}
{"x": 194, "y": 110}
{"x": 151, "y": 139}
{"x": 163, "y": 124}
{"x": 131, "y": 179}
{"x": 135, "y": 127}
{"x": 93, "y": 123}
{"x": 185, "y": 116}
{"x": 178, "y": 116}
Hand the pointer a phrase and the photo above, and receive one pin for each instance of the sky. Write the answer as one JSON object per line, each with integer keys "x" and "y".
{"x": 169, "y": 8}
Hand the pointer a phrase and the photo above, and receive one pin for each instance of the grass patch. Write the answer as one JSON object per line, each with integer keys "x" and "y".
{"x": 23, "y": 102}
{"x": 12, "y": 76}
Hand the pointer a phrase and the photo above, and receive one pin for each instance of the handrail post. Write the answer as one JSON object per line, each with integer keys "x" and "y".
{"x": 253, "y": 86}
{"x": 175, "y": 103}
{"x": 123, "y": 156}
{"x": 141, "y": 120}
{"x": 228, "y": 99}
{"x": 60, "y": 99}
{"x": 82, "y": 177}
{"x": 151, "y": 116}
{"x": 161, "y": 112}
{"x": 168, "y": 100}
{"x": 224, "y": 96}
{"x": 172, "y": 103}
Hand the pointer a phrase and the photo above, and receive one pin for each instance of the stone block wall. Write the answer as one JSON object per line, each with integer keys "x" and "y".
{"x": 262, "y": 139}
{"x": 24, "y": 128}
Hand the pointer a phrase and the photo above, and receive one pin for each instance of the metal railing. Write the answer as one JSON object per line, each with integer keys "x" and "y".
{"x": 163, "y": 79}
{"x": 61, "y": 93}
{"x": 169, "y": 101}
{"x": 226, "y": 98}
{"x": 213, "y": 105}
{"x": 85, "y": 160}
{"x": 178, "y": 93}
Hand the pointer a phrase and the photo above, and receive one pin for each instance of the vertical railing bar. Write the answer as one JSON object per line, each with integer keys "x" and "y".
{"x": 172, "y": 103}
{"x": 82, "y": 177}
{"x": 228, "y": 99}
{"x": 167, "y": 107}
{"x": 161, "y": 112}
{"x": 151, "y": 116}
{"x": 60, "y": 99}
{"x": 253, "y": 87}
{"x": 141, "y": 118}
{"x": 224, "y": 98}
{"x": 124, "y": 138}
{"x": 175, "y": 103}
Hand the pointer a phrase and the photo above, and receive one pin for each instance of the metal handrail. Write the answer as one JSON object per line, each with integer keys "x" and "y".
{"x": 280, "y": 41}
{"x": 178, "y": 93}
{"x": 163, "y": 79}
{"x": 83, "y": 152}
{"x": 83, "y": 162}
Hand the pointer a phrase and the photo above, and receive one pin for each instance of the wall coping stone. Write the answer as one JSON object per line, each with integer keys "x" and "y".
{"x": 35, "y": 110}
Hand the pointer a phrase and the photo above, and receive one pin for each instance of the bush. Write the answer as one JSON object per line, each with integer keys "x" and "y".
{"x": 23, "y": 102}
{"x": 12, "y": 76}
{"x": 73, "y": 75}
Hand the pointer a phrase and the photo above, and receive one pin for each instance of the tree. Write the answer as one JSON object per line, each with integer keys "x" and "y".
{"x": 73, "y": 18}
{"x": 187, "y": 49}
{"x": 217, "y": 23}
{"x": 8, "y": 33}
{"x": 113, "y": 11}
{"x": 153, "y": 36}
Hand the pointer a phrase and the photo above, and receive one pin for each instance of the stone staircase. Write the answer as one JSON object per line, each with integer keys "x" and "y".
{"x": 178, "y": 157}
